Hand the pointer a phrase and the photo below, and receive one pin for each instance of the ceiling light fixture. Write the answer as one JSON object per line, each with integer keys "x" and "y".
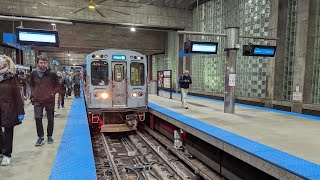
{"x": 132, "y": 29}
{"x": 91, "y": 5}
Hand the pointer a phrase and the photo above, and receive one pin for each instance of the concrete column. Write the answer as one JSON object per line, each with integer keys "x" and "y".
{"x": 312, "y": 29}
{"x": 149, "y": 67}
{"x": 277, "y": 28}
{"x": 184, "y": 59}
{"x": 301, "y": 55}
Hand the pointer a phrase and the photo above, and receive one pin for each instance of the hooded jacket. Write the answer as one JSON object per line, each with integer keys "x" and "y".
{"x": 11, "y": 102}
{"x": 43, "y": 89}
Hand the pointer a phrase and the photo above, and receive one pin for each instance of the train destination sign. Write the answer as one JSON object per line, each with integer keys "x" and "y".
{"x": 119, "y": 57}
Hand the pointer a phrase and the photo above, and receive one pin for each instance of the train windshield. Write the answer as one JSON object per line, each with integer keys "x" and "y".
{"x": 137, "y": 74}
{"x": 99, "y": 73}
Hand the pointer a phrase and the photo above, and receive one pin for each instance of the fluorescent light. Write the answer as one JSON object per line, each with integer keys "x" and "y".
{"x": 74, "y": 64}
{"x": 53, "y": 24}
{"x": 71, "y": 59}
{"x": 69, "y": 55}
{"x": 133, "y": 29}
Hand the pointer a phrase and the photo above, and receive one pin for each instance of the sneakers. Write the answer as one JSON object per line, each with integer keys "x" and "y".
{"x": 5, "y": 161}
{"x": 40, "y": 141}
{"x": 50, "y": 140}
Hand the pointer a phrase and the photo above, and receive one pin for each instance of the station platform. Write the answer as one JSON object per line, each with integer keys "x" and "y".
{"x": 69, "y": 157}
{"x": 283, "y": 144}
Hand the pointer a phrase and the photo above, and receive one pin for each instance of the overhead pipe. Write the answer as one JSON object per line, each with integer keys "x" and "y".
{"x": 16, "y": 18}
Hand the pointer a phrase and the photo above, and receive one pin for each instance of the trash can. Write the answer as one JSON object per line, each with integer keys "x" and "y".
{"x": 153, "y": 87}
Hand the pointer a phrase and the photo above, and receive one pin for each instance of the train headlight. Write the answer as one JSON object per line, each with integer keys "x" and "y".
{"x": 101, "y": 95}
{"x": 134, "y": 95}
{"x": 104, "y": 95}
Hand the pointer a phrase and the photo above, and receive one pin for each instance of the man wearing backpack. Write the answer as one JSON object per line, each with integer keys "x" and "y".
{"x": 44, "y": 85}
{"x": 184, "y": 82}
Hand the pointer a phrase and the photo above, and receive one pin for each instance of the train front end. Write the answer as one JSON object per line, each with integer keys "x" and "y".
{"x": 116, "y": 90}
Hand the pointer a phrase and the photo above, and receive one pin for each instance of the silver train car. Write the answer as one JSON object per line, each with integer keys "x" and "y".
{"x": 115, "y": 87}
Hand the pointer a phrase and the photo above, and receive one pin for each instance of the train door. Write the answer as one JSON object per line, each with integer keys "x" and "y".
{"x": 119, "y": 85}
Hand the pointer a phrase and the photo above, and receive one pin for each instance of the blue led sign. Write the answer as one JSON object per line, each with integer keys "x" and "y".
{"x": 119, "y": 57}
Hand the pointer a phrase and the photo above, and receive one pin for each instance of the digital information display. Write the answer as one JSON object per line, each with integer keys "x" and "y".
{"x": 204, "y": 47}
{"x": 259, "y": 50}
{"x": 37, "y": 37}
{"x": 119, "y": 57}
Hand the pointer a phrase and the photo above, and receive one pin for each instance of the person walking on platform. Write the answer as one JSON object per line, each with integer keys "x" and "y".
{"x": 11, "y": 108}
{"x": 62, "y": 90}
{"x": 184, "y": 81}
{"x": 76, "y": 81}
{"x": 44, "y": 86}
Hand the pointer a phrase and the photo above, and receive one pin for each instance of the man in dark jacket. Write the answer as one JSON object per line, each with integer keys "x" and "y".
{"x": 11, "y": 108}
{"x": 184, "y": 81}
{"x": 76, "y": 81}
{"x": 44, "y": 86}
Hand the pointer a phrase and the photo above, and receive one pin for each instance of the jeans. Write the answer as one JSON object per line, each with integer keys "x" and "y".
{"x": 61, "y": 99}
{"x": 6, "y": 140}
{"x": 38, "y": 112}
{"x": 184, "y": 93}
{"x": 77, "y": 90}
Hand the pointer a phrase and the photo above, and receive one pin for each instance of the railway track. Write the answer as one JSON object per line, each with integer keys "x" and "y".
{"x": 140, "y": 155}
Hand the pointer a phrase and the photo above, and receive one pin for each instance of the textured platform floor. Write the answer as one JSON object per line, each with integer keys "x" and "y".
{"x": 28, "y": 161}
{"x": 278, "y": 134}
{"x": 75, "y": 159}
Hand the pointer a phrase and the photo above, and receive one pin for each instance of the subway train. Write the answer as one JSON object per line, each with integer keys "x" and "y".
{"x": 115, "y": 88}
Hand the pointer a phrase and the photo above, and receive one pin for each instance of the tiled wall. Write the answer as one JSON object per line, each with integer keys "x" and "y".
{"x": 290, "y": 49}
{"x": 252, "y": 18}
{"x": 316, "y": 72}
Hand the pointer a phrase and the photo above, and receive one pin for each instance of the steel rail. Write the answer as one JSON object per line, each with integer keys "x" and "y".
{"x": 110, "y": 157}
{"x": 162, "y": 156}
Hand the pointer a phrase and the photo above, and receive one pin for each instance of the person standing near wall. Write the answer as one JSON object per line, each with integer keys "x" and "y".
{"x": 11, "y": 108}
{"x": 184, "y": 82}
{"x": 44, "y": 86}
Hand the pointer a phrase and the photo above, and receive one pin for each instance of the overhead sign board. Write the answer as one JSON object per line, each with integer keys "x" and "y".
{"x": 37, "y": 37}
{"x": 259, "y": 50}
{"x": 11, "y": 40}
{"x": 195, "y": 47}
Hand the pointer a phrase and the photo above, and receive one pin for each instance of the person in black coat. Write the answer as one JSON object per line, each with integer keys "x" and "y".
{"x": 11, "y": 108}
{"x": 184, "y": 82}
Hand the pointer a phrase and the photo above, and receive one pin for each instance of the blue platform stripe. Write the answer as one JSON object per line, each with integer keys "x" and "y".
{"x": 281, "y": 159}
{"x": 75, "y": 159}
{"x": 256, "y": 107}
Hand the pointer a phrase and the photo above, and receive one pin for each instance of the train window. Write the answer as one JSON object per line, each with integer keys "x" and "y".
{"x": 99, "y": 73}
{"x": 118, "y": 73}
{"x": 137, "y": 74}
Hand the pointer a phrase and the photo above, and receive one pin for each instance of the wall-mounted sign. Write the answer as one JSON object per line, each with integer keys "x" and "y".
{"x": 232, "y": 80}
{"x": 37, "y": 37}
{"x": 11, "y": 40}
{"x": 259, "y": 50}
{"x": 195, "y": 47}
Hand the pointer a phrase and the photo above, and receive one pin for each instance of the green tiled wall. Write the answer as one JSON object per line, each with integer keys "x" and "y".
{"x": 213, "y": 16}
{"x": 167, "y": 61}
{"x": 316, "y": 72}
{"x": 290, "y": 49}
